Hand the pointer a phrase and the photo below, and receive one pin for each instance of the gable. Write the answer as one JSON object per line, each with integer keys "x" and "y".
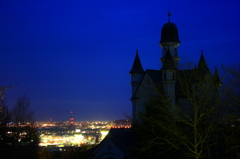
{"x": 148, "y": 83}
{"x": 117, "y": 144}
{"x": 145, "y": 87}
{"x": 107, "y": 149}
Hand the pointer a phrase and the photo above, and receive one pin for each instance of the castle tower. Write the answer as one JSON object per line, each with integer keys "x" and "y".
{"x": 136, "y": 73}
{"x": 169, "y": 40}
{"x": 168, "y": 71}
{"x": 143, "y": 81}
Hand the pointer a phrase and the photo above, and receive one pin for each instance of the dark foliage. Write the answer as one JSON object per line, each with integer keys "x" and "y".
{"x": 18, "y": 143}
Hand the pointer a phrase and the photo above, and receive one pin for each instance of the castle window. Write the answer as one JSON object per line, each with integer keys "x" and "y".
{"x": 133, "y": 79}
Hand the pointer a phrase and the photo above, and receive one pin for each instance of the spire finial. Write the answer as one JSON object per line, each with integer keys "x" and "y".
{"x": 202, "y": 52}
{"x": 137, "y": 51}
{"x": 169, "y": 14}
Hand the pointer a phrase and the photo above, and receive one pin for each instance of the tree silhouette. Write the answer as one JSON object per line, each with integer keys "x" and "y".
{"x": 22, "y": 113}
{"x": 186, "y": 127}
{"x": 231, "y": 99}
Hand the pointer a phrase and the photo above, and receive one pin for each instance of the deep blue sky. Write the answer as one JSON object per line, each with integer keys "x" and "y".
{"x": 76, "y": 55}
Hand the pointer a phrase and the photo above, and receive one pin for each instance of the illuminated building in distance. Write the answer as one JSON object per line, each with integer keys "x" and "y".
{"x": 71, "y": 121}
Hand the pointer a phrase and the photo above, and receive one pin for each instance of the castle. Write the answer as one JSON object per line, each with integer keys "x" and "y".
{"x": 143, "y": 82}
{"x": 120, "y": 142}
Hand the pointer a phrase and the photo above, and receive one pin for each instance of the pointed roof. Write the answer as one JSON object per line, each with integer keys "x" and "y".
{"x": 216, "y": 80}
{"x": 137, "y": 66}
{"x": 202, "y": 65}
{"x": 168, "y": 63}
{"x": 123, "y": 138}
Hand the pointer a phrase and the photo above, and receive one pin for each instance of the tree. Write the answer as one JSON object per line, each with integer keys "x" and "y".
{"x": 231, "y": 99}
{"x": 22, "y": 113}
{"x": 232, "y": 87}
{"x": 25, "y": 135}
{"x": 3, "y": 90}
{"x": 187, "y": 126}
{"x": 4, "y": 112}
{"x": 5, "y": 116}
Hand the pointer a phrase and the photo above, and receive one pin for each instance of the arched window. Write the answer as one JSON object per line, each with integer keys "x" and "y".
{"x": 175, "y": 52}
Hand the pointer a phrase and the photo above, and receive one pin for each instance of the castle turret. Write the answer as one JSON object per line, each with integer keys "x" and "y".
{"x": 169, "y": 40}
{"x": 136, "y": 72}
{"x": 202, "y": 65}
{"x": 168, "y": 71}
{"x": 216, "y": 80}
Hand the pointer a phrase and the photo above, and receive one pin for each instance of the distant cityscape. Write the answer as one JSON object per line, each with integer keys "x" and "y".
{"x": 49, "y": 138}
{"x": 72, "y": 133}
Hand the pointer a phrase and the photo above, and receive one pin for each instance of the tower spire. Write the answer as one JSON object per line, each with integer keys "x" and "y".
{"x": 217, "y": 81}
{"x": 202, "y": 65}
{"x": 169, "y": 14}
{"x": 137, "y": 66}
{"x": 168, "y": 63}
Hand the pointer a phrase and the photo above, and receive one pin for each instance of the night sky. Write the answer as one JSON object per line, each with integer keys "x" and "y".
{"x": 75, "y": 55}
